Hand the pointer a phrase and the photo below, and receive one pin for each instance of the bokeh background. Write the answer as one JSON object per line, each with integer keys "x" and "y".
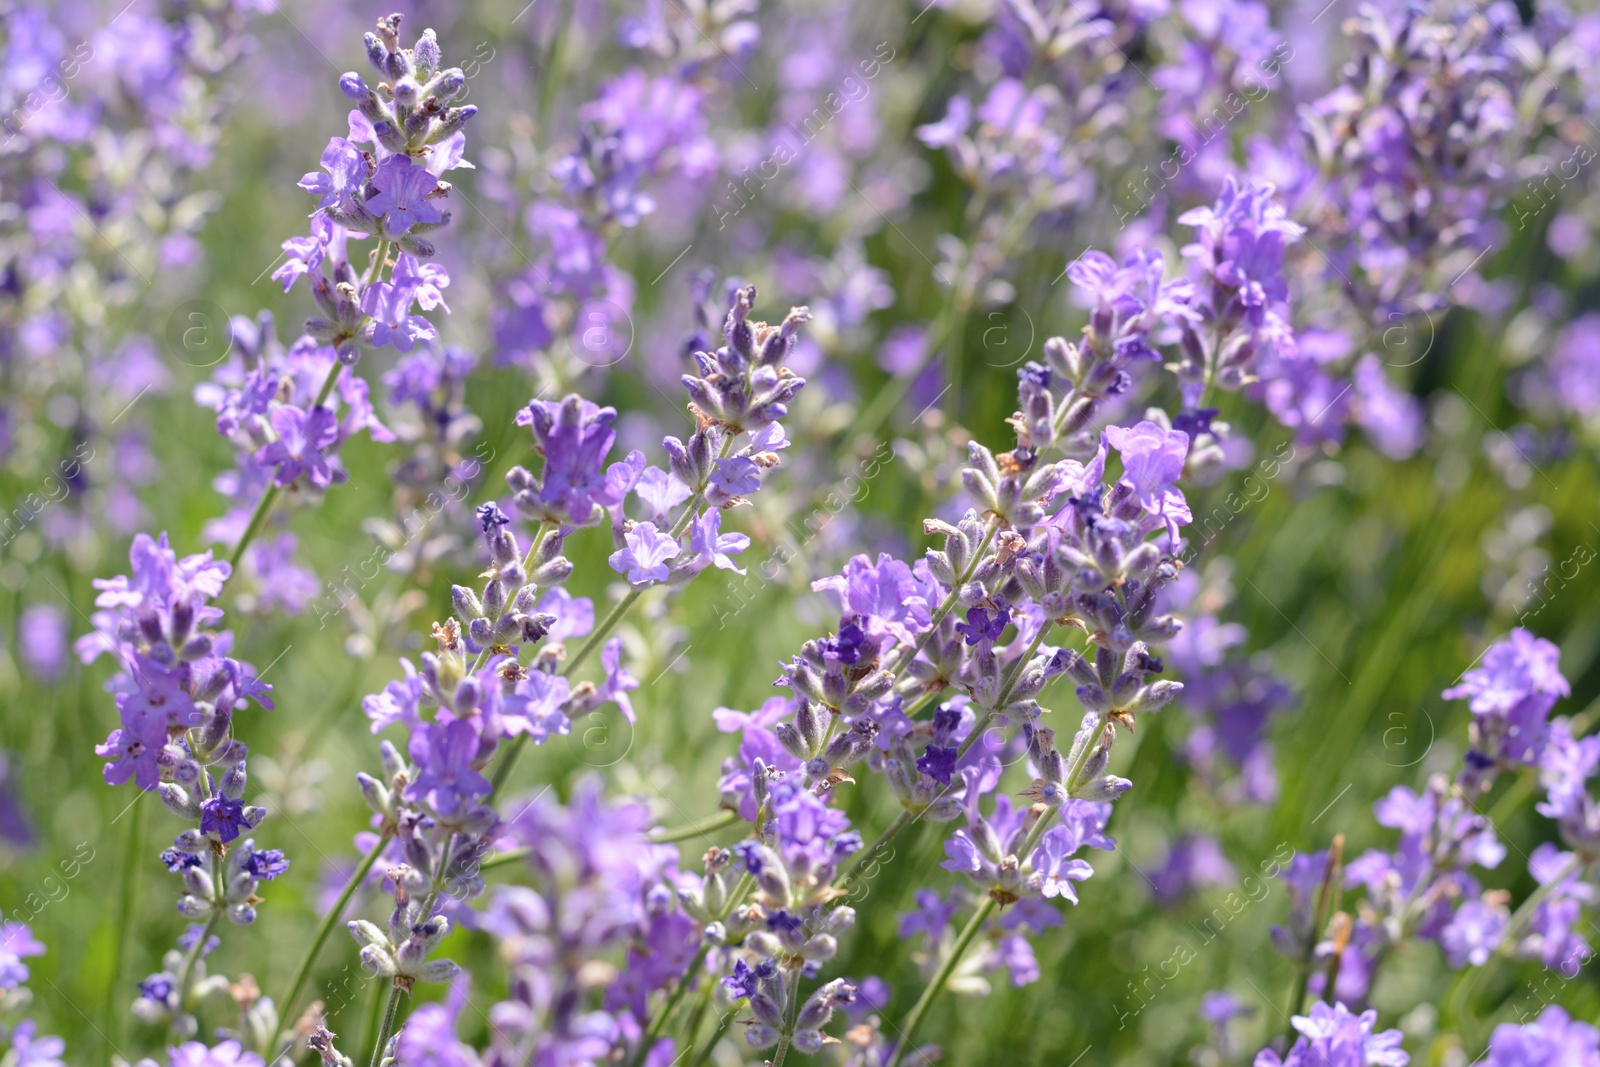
{"x": 1365, "y": 584}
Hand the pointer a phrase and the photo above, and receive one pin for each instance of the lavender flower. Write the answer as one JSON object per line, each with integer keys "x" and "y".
{"x": 1336, "y": 1037}
{"x": 1511, "y": 696}
{"x": 1554, "y": 1037}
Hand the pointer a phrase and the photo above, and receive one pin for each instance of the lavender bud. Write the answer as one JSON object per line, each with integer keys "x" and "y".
{"x": 178, "y": 801}
{"x": 197, "y": 882}
{"x": 812, "y": 723}
{"x": 233, "y": 781}
{"x": 394, "y": 764}
{"x": 466, "y": 603}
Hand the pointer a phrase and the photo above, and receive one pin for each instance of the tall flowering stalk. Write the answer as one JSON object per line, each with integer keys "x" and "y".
{"x": 382, "y": 183}
{"x": 177, "y": 694}
{"x": 177, "y": 687}
{"x": 25, "y": 1045}
{"x": 431, "y": 806}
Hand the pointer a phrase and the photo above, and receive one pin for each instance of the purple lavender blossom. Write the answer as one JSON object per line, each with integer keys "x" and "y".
{"x": 1511, "y": 695}
{"x": 17, "y": 943}
{"x": 42, "y": 641}
{"x": 1336, "y": 1037}
{"x": 302, "y": 440}
{"x": 645, "y": 554}
{"x": 401, "y": 198}
{"x": 1553, "y": 1038}
{"x": 1191, "y": 862}
{"x": 445, "y": 754}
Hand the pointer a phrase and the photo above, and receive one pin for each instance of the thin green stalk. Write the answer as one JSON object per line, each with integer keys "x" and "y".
{"x": 1014, "y": 675}
{"x": 268, "y": 498}
{"x": 870, "y": 853}
{"x": 193, "y": 955}
{"x": 1077, "y": 765}
{"x": 386, "y": 1028}
{"x": 698, "y": 1015}
{"x": 501, "y": 859}
{"x": 391, "y": 1010}
{"x": 1319, "y": 920}
{"x": 303, "y": 972}
{"x": 375, "y": 268}
{"x": 259, "y": 516}
{"x": 114, "y": 1019}
{"x": 724, "y": 1024}
{"x": 602, "y": 631}
{"x": 374, "y": 1012}
{"x": 709, "y": 824}
{"x": 538, "y": 540}
{"x": 925, "y": 699}
{"x": 792, "y": 1013}
{"x": 952, "y": 960}
{"x": 668, "y": 1007}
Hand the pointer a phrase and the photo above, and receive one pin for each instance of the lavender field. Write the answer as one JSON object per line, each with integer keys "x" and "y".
{"x": 686, "y": 533}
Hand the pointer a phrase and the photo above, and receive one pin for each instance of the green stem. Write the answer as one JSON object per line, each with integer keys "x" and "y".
{"x": 697, "y": 1016}
{"x": 538, "y": 541}
{"x": 724, "y": 1024}
{"x": 429, "y": 906}
{"x": 375, "y": 268}
{"x": 667, "y": 1008}
{"x": 870, "y": 853}
{"x": 1319, "y": 920}
{"x": 1014, "y": 675}
{"x": 385, "y": 1028}
{"x": 603, "y": 631}
{"x": 114, "y": 1024}
{"x": 710, "y": 824}
{"x": 374, "y": 1012}
{"x": 193, "y": 955}
{"x": 259, "y": 516}
{"x": 303, "y": 972}
{"x": 1524, "y": 912}
{"x": 500, "y": 859}
{"x": 792, "y": 1012}
{"x": 939, "y": 689}
{"x": 1077, "y": 765}
{"x": 268, "y": 498}
{"x": 919, "y": 1011}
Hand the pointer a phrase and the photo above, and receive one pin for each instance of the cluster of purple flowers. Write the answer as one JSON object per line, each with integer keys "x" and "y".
{"x": 177, "y": 692}
{"x": 388, "y": 190}
{"x": 1426, "y": 889}
{"x": 1049, "y": 541}
{"x": 24, "y": 1045}
{"x": 567, "y": 313}
{"x": 288, "y": 412}
{"x": 430, "y": 807}
{"x": 1412, "y": 151}
{"x": 107, "y": 117}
